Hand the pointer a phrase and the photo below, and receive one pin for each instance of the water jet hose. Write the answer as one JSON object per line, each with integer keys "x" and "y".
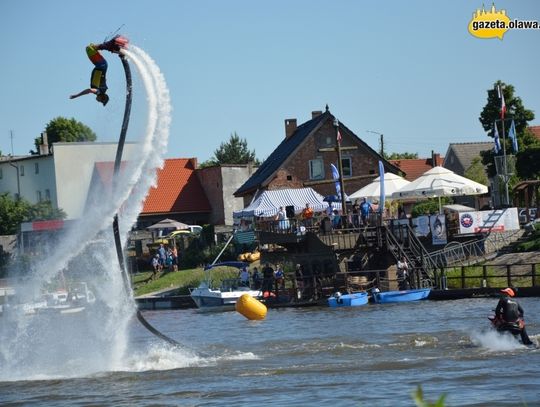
{"x": 116, "y": 229}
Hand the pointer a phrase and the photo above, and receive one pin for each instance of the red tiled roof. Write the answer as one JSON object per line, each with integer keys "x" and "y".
{"x": 178, "y": 189}
{"x": 105, "y": 171}
{"x": 413, "y": 168}
{"x": 535, "y": 130}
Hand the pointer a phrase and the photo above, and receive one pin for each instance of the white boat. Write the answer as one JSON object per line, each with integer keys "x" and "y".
{"x": 223, "y": 298}
{"x": 58, "y": 302}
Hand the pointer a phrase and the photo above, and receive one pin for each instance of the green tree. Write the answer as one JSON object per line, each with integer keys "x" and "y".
{"x": 401, "y": 156}
{"x": 514, "y": 110}
{"x": 234, "y": 151}
{"x": 429, "y": 206}
{"x": 44, "y": 211}
{"x": 528, "y": 163}
{"x": 13, "y": 212}
{"x": 66, "y": 130}
{"x": 476, "y": 171}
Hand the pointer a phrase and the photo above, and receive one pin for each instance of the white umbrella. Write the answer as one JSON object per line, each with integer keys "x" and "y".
{"x": 438, "y": 182}
{"x": 392, "y": 183}
{"x": 168, "y": 224}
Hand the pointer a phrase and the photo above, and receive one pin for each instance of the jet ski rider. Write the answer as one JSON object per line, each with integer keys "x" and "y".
{"x": 509, "y": 311}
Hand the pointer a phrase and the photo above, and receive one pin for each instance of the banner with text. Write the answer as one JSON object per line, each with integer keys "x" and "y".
{"x": 499, "y": 220}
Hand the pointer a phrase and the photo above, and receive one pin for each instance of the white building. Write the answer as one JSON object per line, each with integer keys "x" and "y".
{"x": 219, "y": 183}
{"x": 61, "y": 174}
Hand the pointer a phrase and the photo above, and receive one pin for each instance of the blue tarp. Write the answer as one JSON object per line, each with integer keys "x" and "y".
{"x": 268, "y": 202}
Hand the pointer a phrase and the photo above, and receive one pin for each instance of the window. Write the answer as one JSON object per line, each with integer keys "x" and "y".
{"x": 346, "y": 164}
{"x": 22, "y": 170}
{"x": 36, "y": 168}
{"x": 38, "y": 196}
{"x": 316, "y": 169}
{"x": 47, "y": 195}
{"x": 1, "y": 175}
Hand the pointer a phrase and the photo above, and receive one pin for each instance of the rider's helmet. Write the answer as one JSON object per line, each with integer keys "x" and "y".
{"x": 508, "y": 291}
{"x": 103, "y": 98}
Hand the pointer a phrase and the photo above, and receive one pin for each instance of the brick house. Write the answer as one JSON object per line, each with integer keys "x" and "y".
{"x": 303, "y": 159}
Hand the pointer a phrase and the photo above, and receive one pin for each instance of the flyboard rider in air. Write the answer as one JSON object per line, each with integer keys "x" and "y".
{"x": 98, "y": 82}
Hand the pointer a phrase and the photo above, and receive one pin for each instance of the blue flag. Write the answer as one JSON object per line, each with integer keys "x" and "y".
{"x": 335, "y": 175}
{"x": 496, "y": 140}
{"x": 512, "y": 135}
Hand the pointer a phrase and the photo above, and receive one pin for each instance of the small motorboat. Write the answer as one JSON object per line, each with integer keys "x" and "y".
{"x": 225, "y": 297}
{"x": 400, "y": 296}
{"x": 348, "y": 300}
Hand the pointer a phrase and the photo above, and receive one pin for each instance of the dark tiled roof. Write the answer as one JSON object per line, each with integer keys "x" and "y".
{"x": 464, "y": 154}
{"x": 287, "y": 147}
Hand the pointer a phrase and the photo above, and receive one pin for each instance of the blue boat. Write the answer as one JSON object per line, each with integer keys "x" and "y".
{"x": 400, "y": 296}
{"x": 348, "y": 300}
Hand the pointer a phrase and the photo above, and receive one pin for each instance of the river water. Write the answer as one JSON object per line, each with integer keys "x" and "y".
{"x": 374, "y": 355}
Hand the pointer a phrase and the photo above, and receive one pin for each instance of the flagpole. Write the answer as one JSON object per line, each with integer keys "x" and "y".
{"x": 340, "y": 167}
{"x": 505, "y": 166}
{"x": 503, "y": 111}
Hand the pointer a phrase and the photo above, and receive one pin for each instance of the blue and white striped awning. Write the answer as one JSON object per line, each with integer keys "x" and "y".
{"x": 268, "y": 202}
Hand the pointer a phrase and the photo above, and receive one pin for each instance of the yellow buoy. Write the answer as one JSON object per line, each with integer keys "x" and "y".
{"x": 250, "y": 307}
{"x": 251, "y": 257}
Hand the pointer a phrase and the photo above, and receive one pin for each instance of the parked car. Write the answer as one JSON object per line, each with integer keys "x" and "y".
{"x": 522, "y": 215}
{"x": 193, "y": 230}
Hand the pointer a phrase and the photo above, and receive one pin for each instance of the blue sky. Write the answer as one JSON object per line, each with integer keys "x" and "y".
{"x": 407, "y": 69}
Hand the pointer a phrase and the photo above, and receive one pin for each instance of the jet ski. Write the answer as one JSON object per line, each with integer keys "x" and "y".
{"x": 502, "y": 326}
{"x": 515, "y": 328}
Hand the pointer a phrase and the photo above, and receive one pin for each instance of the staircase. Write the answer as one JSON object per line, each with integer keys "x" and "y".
{"x": 403, "y": 242}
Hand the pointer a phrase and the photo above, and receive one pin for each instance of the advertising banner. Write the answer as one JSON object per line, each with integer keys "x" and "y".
{"x": 421, "y": 225}
{"x": 438, "y": 229}
{"x": 499, "y": 220}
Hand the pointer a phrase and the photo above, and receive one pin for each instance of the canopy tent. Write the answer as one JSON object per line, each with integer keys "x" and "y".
{"x": 268, "y": 202}
{"x": 392, "y": 183}
{"x": 438, "y": 182}
{"x": 168, "y": 224}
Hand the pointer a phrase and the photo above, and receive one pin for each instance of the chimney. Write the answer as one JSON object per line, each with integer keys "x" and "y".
{"x": 316, "y": 113}
{"x": 44, "y": 146}
{"x": 290, "y": 127}
{"x": 435, "y": 158}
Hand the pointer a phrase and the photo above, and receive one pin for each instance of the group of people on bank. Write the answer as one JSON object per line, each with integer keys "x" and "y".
{"x": 272, "y": 280}
{"x": 165, "y": 258}
{"x": 361, "y": 214}
{"x": 268, "y": 279}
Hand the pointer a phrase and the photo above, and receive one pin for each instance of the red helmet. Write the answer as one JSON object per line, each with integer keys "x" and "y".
{"x": 508, "y": 291}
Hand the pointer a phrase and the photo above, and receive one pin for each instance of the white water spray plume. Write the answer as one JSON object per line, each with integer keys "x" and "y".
{"x": 45, "y": 345}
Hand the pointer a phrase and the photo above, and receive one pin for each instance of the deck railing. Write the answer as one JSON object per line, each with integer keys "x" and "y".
{"x": 489, "y": 275}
